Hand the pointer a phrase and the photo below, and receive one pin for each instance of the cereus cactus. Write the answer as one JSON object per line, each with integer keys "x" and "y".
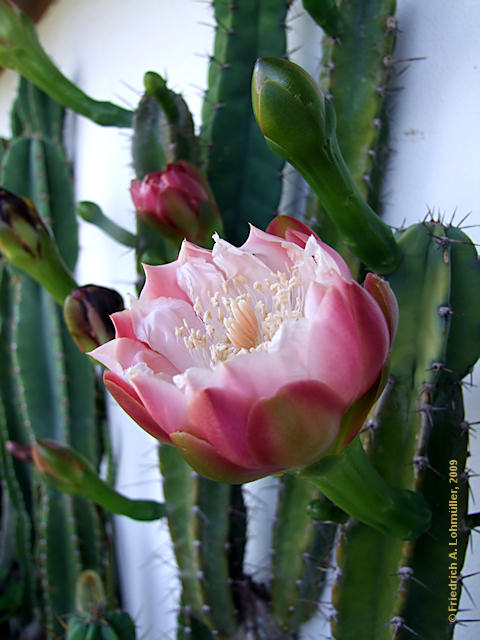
{"x": 419, "y": 422}
{"x": 47, "y": 387}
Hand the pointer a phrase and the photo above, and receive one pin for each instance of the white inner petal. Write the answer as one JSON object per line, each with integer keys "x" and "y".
{"x": 243, "y": 317}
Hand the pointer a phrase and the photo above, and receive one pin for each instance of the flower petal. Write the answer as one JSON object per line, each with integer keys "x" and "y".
{"x": 207, "y": 461}
{"x": 219, "y": 416}
{"x": 165, "y": 403}
{"x": 297, "y": 232}
{"x": 234, "y": 262}
{"x": 295, "y": 427}
{"x": 122, "y": 353}
{"x": 334, "y": 355}
{"x": 128, "y": 399}
{"x": 274, "y": 251}
{"x": 156, "y": 325}
{"x": 161, "y": 282}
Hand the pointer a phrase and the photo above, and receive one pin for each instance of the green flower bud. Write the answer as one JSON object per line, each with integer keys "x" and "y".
{"x": 62, "y": 466}
{"x": 90, "y": 594}
{"x": 298, "y": 123}
{"x": 27, "y": 242}
{"x": 290, "y": 109}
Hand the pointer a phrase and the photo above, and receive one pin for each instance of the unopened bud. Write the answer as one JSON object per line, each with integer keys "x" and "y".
{"x": 178, "y": 203}
{"x": 90, "y": 594}
{"x": 87, "y": 312}
{"x": 22, "y": 231}
{"x": 62, "y": 466}
{"x": 26, "y": 242}
{"x": 22, "y": 452}
{"x": 291, "y": 110}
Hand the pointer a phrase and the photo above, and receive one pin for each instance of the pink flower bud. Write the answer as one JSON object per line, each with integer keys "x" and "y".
{"x": 178, "y": 203}
{"x": 252, "y": 360}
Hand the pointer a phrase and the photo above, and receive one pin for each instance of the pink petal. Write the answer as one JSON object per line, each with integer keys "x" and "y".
{"x": 295, "y": 427}
{"x": 298, "y": 233}
{"x": 234, "y": 261}
{"x": 156, "y": 325}
{"x": 190, "y": 251}
{"x": 334, "y": 354}
{"x": 122, "y": 353}
{"x": 123, "y": 324}
{"x": 291, "y": 229}
{"x": 128, "y": 399}
{"x": 372, "y": 330}
{"x": 161, "y": 282}
{"x": 208, "y": 462}
{"x": 164, "y": 402}
{"x": 259, "y": 374}
{"x": 219, "y": 416}
{"x": 200, "y": 279}
{"x": 271, "y": 249}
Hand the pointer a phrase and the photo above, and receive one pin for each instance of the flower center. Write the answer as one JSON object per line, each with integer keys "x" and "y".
{"x": 242, "y": 325}
{"x": 244, "y": 319}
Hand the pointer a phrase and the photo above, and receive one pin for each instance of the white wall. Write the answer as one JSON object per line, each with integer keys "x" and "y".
{"x": 106, "y": 46}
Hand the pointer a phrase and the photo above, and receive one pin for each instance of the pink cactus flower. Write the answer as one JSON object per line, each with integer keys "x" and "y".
{"x": 252, "y": 360}
{"x": 178, "y": 203}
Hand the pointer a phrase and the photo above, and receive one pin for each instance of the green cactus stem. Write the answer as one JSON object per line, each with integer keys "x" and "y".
{"x": 21, "y": 51}
{"x": 243, "y": 173}
{"x": 301, "y": 549}
{"x": 418, "y": 440}
{"x": 180, "y": 491}
{"x": 91, "y": 212}
{"x": 47, "y": 386}
{"x": 356, "y": 72}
